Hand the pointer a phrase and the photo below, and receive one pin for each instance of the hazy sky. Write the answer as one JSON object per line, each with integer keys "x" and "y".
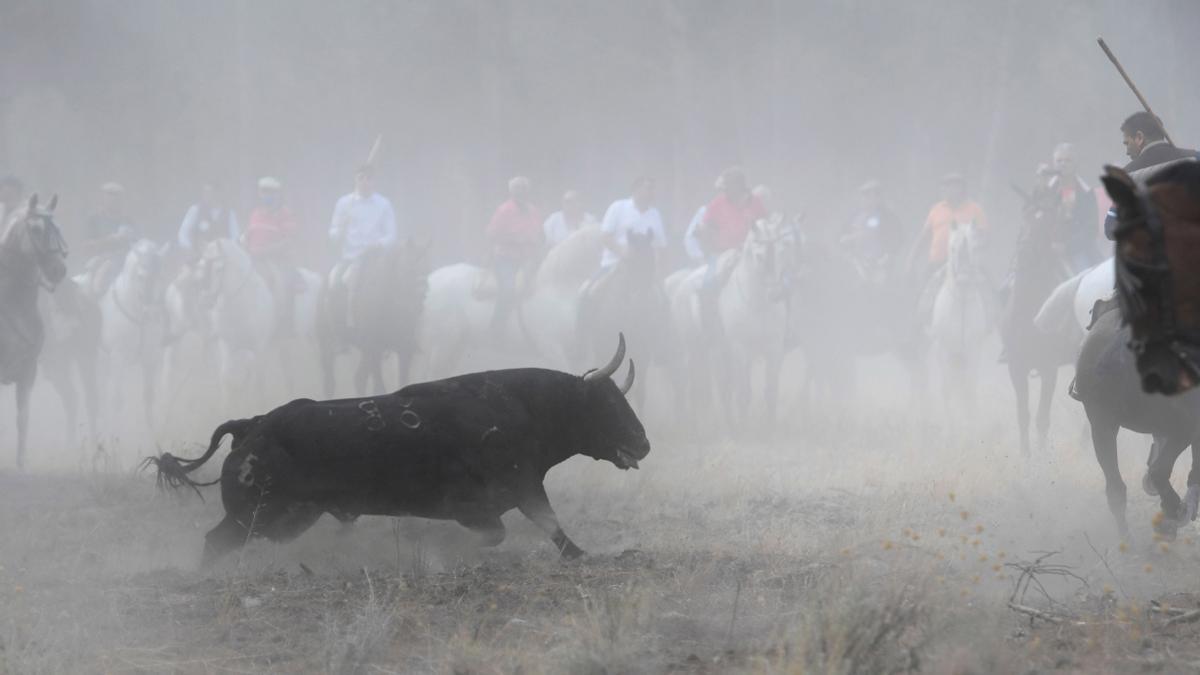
{"x": 813, "y": 98}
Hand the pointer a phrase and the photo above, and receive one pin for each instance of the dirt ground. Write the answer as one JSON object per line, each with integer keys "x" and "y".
{"x": 856, "y": 545}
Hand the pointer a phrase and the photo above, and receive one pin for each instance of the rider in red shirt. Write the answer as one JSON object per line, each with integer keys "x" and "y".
{"x": 515, "y": 233}
{"x": 731, "y": 214}
{"x": 269, "y": 238}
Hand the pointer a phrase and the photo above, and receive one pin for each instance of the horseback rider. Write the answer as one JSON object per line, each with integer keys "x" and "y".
{"x": 107, "y": 239}
{"x": 572, "y": 218}
{"x": 634, "y": 215}
{"x": 955, "y": 209}
{"x": 726, "y": 222}
{"x": 874, "y": 235}
{"x": 515, "y": 235}
{"x": 1076, "y": 233}
{"x": 206, "y": 220}
{"x": 363, "y": 221}
{"x": 270, "y": 240}
{"x": 1149, "y": 151}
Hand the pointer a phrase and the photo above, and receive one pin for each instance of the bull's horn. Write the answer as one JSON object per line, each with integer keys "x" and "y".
{"x": 33, "y": 202}
{"x": 53, "y": 203}
{"x": 610, "y": 367}
{"x": 629, "y": 377}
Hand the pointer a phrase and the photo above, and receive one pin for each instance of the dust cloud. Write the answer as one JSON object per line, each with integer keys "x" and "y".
{"x": 883, "y": 519}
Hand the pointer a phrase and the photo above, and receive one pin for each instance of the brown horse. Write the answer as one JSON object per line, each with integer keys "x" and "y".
{"x": 1158, "y": 272}
{"x": 32, "y": 256}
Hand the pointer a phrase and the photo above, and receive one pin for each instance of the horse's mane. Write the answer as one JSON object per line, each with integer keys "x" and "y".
{"x": 574, "y": 259}
{"x": 1184, "y": 174}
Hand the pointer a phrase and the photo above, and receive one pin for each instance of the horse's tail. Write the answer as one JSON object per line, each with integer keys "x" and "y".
{"x": 173, "y": 471}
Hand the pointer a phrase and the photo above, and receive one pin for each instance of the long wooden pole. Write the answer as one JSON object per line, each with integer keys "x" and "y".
{"x": 1142, "y": 99}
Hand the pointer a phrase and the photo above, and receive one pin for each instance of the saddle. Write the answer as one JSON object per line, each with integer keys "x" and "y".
{"x": 1101, "y": 307}
{"x": 487, "y": 286}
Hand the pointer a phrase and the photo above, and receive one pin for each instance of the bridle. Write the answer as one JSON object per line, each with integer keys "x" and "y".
{"x": 46, "y": 241}
{"x": 221, "y": 289}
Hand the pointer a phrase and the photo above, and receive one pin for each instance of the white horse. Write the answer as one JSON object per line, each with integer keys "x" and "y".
{"x": 961, "y": 317}
{"x": 751, "y": 309}
{"x": 246, "y": 319}
{"x": 133, "y": 323}
{"x": 1067, "y": 312}
{"x": 460, "y": 304}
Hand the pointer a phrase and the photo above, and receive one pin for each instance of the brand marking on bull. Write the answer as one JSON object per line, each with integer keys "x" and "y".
{"x": 374, "y": 418}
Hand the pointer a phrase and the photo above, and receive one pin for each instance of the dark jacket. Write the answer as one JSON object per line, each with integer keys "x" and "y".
{"x": 1154, "y": 155}
{"x": 1158, "y": 154}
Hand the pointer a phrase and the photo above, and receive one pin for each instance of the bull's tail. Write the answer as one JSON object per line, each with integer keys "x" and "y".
{"x": 173, "y": 471}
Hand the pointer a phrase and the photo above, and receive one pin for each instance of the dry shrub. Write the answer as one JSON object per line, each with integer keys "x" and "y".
{"x": 860, "y": 629}
{"x": 350, "y": 646}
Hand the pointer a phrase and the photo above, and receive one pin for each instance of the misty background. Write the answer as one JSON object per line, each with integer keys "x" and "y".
{"x": 813, "y": 98}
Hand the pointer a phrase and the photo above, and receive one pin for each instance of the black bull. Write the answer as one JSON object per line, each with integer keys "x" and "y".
{"x": 467, "y": 448}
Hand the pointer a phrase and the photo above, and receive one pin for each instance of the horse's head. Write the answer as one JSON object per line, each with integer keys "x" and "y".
{"x": 37, "y": 237}
{"x": 770, "y": 252}
{"x": 964, "y": 261}
{"x": 1158, "y": 272}
{"x": 143, "y": 265}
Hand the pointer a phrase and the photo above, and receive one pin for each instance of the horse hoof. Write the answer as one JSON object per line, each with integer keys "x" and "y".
{"x": 1148, "y": 485}
{"x": 1166, "y": 528}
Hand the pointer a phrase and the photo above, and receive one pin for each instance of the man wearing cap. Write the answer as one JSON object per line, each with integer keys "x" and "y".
{"x": 270, "y": 240}
{"x": 206, "y": 220}
{"x": 1149, "y": 152}
{"x": 362, "y": 221}
{"x": 515, "y": 235}
{"x": 572, "y": 218}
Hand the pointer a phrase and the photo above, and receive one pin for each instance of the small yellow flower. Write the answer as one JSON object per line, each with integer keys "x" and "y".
{"x": 964, "y": 515}
{"x": 1164, "y": 547}
{"x": 979, "y": 529}
{"x": 887, "y": 545}
{"x": 941, "y": 531}
{"x": 1123, "y": 548}
{"x": 1148, "y": 568}
{"x": 951, "y": 496}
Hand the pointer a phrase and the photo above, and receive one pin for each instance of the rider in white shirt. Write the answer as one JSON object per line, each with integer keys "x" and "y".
{"x": 362, "y": 221}
{"x": 564, "y": 223}
{"x": 633, "y": 215}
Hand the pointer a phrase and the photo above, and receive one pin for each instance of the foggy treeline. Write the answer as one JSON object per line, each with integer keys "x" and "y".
{"x": 812, "y": 97}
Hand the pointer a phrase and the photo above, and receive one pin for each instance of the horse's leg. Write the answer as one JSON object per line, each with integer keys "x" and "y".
{"x": 1160, "y": 475}
{"x": 1020, "y": 382}
{"x": 24, "y": 387}
{"x": 148, "y": 375}
{"x": 1156, "y": 444}
{"x": 328, "y": 361}
{"x": 367, "y": 360}
{"x": 59, "y": 375}
{"x": 772, "y": 363}
{"x": 1191, "y": 501}
{"x": 85, "y": 364}
{"x": 1049, "y": 377}
{"x": 1104, "y": 442}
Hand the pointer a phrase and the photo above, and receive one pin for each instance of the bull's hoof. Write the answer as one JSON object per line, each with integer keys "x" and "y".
{"x": 571, "y": 552}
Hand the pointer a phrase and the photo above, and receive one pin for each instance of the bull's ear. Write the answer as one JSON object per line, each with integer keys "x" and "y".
{"x": 53, "y": 204}
{"x": 33, "y": 202}
{"x": 1120, "y": 187}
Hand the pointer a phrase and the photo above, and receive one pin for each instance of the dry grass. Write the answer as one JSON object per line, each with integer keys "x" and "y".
{"x": 854, "y": 546}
